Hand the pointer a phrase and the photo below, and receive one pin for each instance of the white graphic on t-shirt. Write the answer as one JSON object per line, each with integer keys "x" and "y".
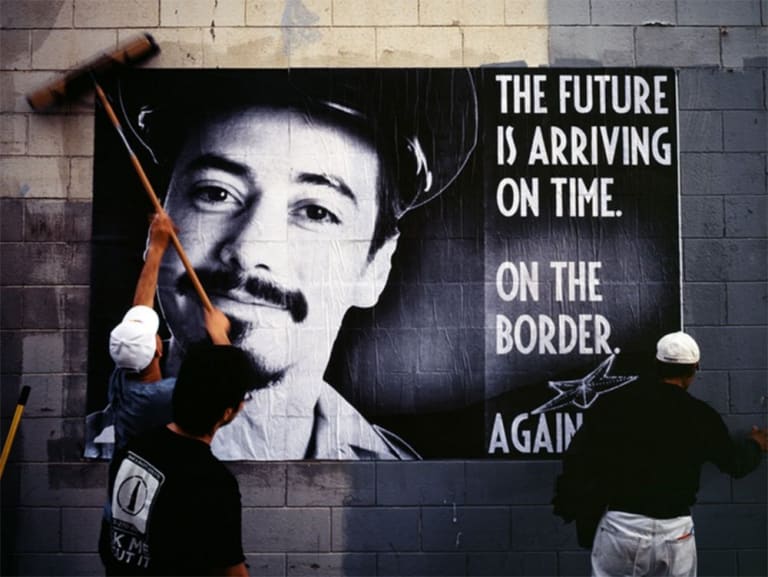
{"x": 137, "y": 486}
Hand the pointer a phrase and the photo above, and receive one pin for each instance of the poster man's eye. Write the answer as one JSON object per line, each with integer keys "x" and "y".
{"x": 212, "y": 197}
{"x": 318, "y": 213}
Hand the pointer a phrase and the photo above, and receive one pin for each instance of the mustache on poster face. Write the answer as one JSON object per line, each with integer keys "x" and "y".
{"x": 222, "y": 281}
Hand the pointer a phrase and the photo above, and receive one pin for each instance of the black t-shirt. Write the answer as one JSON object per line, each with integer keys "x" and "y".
{"x": 175, "y": 509}
{"x": 642, "y": 448}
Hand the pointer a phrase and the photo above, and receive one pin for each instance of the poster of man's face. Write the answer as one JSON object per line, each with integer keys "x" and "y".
{"x": 422, "y": 263}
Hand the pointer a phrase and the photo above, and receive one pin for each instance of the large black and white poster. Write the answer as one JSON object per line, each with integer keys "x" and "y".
{"x": 425, "y": 263}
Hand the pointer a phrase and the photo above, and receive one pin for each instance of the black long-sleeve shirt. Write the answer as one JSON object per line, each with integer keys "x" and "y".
{"x": 641, "y": 450}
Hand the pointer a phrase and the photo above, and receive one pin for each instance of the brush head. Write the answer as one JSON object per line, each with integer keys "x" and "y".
{"x": 80, "y": 80}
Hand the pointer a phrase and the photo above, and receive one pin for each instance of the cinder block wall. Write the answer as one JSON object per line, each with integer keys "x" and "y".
{"x": 430, "y": 518}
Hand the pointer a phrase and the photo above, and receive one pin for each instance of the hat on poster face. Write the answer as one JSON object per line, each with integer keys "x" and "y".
{"x": 677, "y": 349}
{"x": 423, "y": 122}
{"x": 132, "y": 343}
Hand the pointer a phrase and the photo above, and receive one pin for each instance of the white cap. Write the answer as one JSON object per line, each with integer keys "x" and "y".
{"x": 678, "y": 349}
{"x": 132, "y": 343}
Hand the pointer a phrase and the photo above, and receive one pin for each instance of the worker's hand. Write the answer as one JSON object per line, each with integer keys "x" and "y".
{"x": 160, "y": 230}
{"x": 217, "y": 325}
{"x": 760, "y": 436}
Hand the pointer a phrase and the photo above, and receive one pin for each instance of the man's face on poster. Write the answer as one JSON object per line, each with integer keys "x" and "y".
{"x": 276, "y": 211}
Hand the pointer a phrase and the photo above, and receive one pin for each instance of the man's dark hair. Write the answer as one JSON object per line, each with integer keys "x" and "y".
{"x": 674, "y": 370}
{"x": 212, "y": 378}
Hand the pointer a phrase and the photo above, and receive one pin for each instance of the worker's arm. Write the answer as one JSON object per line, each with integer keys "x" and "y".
{"x": 217, "y": 325}
{"x": 159, "y": 236}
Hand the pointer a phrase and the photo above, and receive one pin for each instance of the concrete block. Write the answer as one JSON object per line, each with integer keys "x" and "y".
{"x": 42, "y": 310}
{"x": 11, "y": 308}
{"x": 330, "y": 564}
{"x": 587, "y": 46}
{"x": 460, "y": 13}
{"x": 511, "y": 483}
{"x": 45, "y": 263}
{"x": 45, "y": 396}
{"x": 80, "y": 529}
{"x": 422, "y": 564}
{"x": 730, "y": 526}
{"x": 64, "y": 49}
{"x": 74, "y": 401}
{"x": 334, "y": 47}
{"x": 420, "y": 483}
{"x": 701, "y": 131}
{"x": 745, "y": 131}
{"x": 13, "y": 134}
{"x": 725, "y": 174}
{"x": 37, "y": 530}
{"x": 275, "y": 530}
{"x": 704, "y": 216}
{"x": 11, "y": 220}
{"x": 717, "y": 13}
{"x": 380, "y": 14}
{"x": 716, "y": 563}
{"x": 42, "y": 352}
{"x": 708, "y": 88}
{"x": 493, "y": 45}
{"x": 130, "y": 14}
{"x": 680, "y": 47}
{"x": 80, "y": 179}
{"x": 47, "y": 221}
{"x": 465, "y": 529}
{"x": 330, "y": 484}
{"x": 181, "y": 47}
{"x": 364, "y": 529}
{"x": 727, "y": 348}
{"x": 414, "y": 47}
{"x": 63, "y": 485}
{"x": 10, "y": 360}
{"x": 574, "y": 562}
{"x": 537, "y": 529}
{"x": 728, "y": 260}
{"x": 288, "y": 14}
{"x": 14, "y": 86}
{"x": 76, "y": 351}
{"x": 244, "y": 47}
{"x": 705, "y": 303}
{"x": 753, "y": 561}
{"x": 265, "y": 565}
{"x": 517, "y": 564}
{"x": 58, "y": 135}
{"x": 712, "y": 388}
{"x": 187, "y": 13}
{"x": 64, "y": 565}
{"x": 751, "y": 489}
{"x": 15, "y": 50}
{"x": 532, "y": 12}
{"x": 748, "y": 391}
{"x": 34, "y": 177}
{"x": 35, "y": 14}
{"x": 715, "y": 487}
{"x": 746, "y": 216}
{"x": 636, "y": 12}
{"x": 745, "y": 47}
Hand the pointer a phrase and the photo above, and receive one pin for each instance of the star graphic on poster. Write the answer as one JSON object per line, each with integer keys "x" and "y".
{"x": 583, "y": 392}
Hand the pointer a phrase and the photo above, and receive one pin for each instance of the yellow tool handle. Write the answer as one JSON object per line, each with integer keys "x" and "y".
{"x": 23, "y": 396}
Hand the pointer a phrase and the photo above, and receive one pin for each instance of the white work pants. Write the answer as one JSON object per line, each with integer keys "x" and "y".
{"x": 634, "y": 545}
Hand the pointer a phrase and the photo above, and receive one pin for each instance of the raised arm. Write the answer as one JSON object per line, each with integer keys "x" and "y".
{"x": 159, "y": 236}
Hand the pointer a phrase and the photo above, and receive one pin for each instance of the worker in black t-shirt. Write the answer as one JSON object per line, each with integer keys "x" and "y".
{"x": 632, "y": 471}
{"x": 174, "y": 508}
